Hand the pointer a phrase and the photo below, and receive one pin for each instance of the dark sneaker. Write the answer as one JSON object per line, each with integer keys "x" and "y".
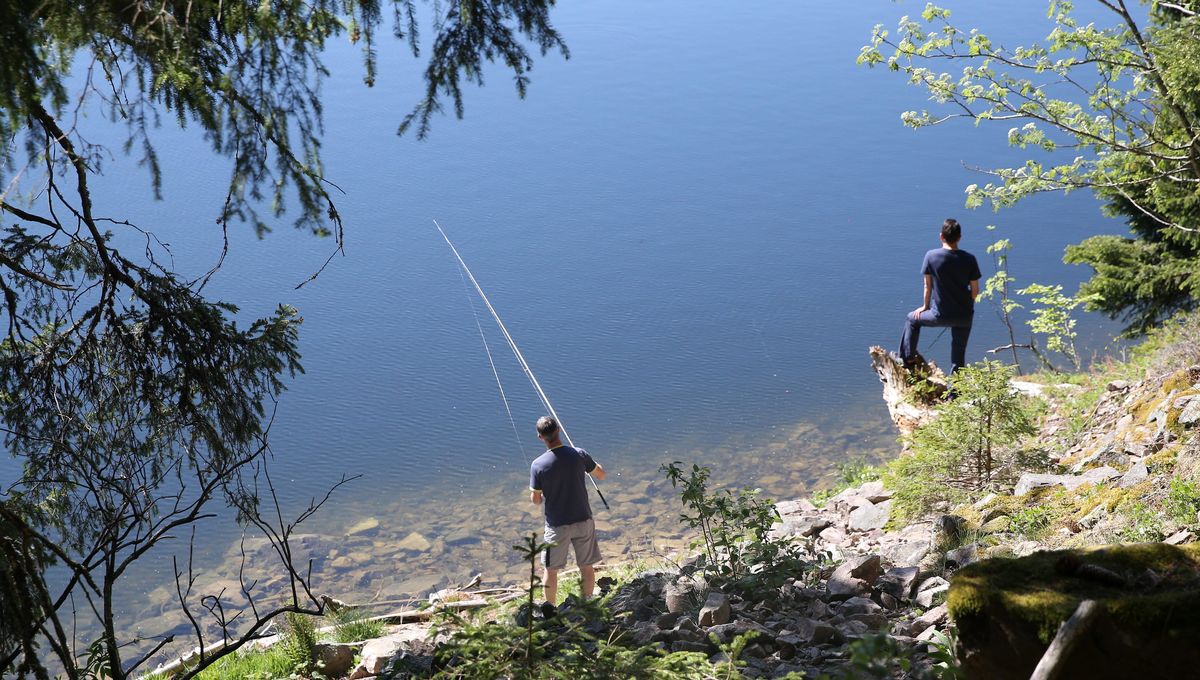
{"x": 549, "y": 611}
{"x": 605, "y": 584}
{"x": 522, "y": 615}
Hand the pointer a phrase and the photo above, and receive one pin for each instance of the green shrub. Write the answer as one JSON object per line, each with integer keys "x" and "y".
{"x": 877, "y": 655}
{"x": 1142, "y": 524}
{"x": 257, "y": 664}
{"x": 353, "y": 625}
{"x": 298, "y": 642}
{"x": 918, "y": 481}
{"x": 1183, "y": 501}
{"x": 971, "y": 445}
{"x": 1031, "y": 522}
{"x": 735, "y": 531}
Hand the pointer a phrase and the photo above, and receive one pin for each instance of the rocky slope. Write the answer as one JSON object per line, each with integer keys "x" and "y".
{"x": 1122, "y": 466}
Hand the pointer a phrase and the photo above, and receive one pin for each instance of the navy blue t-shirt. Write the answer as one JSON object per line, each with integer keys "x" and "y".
{"x": 558, "y": 474}
{"x": 952, "y": 272}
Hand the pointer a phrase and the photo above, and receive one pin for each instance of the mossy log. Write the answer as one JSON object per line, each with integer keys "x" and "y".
{"x": 1008, "y": 610}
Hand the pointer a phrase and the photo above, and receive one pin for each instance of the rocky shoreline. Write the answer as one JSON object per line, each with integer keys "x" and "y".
{"x": 895, "y": 589}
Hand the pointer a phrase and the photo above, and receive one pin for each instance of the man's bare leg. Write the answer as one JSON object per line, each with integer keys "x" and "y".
{"x": 587, "y": 581}
{"x": 550, "y": 585}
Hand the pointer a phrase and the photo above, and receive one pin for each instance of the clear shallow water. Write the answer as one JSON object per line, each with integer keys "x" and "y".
{"x": 694, "y": 228}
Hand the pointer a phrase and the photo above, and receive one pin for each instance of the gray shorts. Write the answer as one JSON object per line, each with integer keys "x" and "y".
{"x": 582, "y": 535}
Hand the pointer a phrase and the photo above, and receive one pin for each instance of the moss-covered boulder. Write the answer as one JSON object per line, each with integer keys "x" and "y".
{"x": 1008, "y": 610}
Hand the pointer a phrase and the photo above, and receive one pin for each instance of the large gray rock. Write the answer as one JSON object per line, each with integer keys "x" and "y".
{"x": 715, "y": 610}
{"x": 907, "y": 554}
{"x": 858, "y": 605}
{"x": 1033, "y": 480}
{"x": 932, "y": 591}
{"x": 798, "y": 630}
{"x": 874, "y": 492}
{"x": 833, "y": 536}
{"x": 1191, "y": 412}
{"x": 870, "y": 516}
{"x": 898, "y": 582}
{"x": 961, "y": 556}
{"x": 795, "y": 507}
{"x": 1180, "y": 537}
{"x": 726, "y": 632}
{"x": 1093, "y": 518}
{"x": 376, "y": 653}
{"x": 848, "y": 498}
{"x": 854, "y": 576}
{"x": 1110, "y": 454}
{"x": 934, "y": 617}
{"x": 1136, "y": 474}
{"x": 807, "y": 526}
{"x": 336, "y": 658}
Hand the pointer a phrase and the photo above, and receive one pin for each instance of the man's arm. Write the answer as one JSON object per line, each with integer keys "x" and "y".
{"x": 598, "y": 471}
{"x": 975, "y": 289}
{"x": 535, "y": 496}
{"x": 928, "y": 295}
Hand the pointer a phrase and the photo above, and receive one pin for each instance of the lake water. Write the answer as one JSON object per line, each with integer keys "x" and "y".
{"x": 694, "y": 228}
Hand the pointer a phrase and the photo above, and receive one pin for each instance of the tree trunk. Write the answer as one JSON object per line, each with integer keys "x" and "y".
{"x": 904, "y": 405}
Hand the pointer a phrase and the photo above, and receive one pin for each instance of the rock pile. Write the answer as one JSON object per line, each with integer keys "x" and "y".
{"x": 878, "y": 582}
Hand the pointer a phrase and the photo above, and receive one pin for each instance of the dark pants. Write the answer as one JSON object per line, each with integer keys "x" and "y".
{"x": 960, "y": 330}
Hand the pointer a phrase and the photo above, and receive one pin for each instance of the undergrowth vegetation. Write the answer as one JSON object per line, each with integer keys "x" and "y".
{"x": 735, "y": 529}
{"x": 973, "y": 445}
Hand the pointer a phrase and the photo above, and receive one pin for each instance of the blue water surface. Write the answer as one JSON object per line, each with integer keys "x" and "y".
{"x": 694, "y": 228}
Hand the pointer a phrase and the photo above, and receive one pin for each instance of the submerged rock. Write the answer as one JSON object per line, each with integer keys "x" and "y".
{"x": 414, "y": 542}
{"x": 368, "y": 525}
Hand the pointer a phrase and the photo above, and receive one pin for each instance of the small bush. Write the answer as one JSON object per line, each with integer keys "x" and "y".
{"x": 1031, "y": 522}
{"x": 973, "y": 443}
{"x": 353, "y": 625}
{"x": 298, "y": 642}
{"x": 1143, "y": 524}
{"x": 735, "y": 531}
{"x": 1183, "y": 501}
{"x": 258, "y": 664}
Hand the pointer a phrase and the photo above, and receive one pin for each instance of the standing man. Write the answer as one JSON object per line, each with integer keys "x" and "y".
{"x": 951, "y": 286}
{"x": 558, "y": 477}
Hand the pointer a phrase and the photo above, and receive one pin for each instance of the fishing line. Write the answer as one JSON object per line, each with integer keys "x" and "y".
{"x": 935, "y": 340}
{"x": 492, "y": 363}
{"x": 512, "y": 344}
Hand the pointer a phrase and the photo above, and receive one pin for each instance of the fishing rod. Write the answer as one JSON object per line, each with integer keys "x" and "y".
{"x": 512, "y": 344}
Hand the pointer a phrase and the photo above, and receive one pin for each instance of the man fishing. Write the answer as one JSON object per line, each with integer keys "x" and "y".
{"x": 557, "y": 477}
{"x": 951, "y": 286}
